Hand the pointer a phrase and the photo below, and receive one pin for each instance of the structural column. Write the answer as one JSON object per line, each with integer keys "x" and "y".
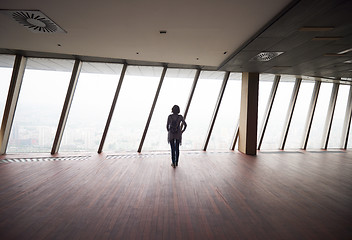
{"x": 248, "y": 114}
{"x": 11, "y": 102}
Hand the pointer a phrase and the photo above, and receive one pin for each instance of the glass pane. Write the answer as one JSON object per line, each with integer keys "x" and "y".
{"x": 349, "y": 142}
{"x": 39, "y": 105}
{"x": 174, "y": 91}
{"x": 6, "y": 65}
{"x": 299, "y": 117}
{"x": 90, "y": 106}
{"x": 316, "y": 132}
{"x": 201, "y": 109}
{"x": 339, "y": 117}
{"x": 265, "y": 85}
{"x": 273, "y": 133}
{"x": 228, "y": 115}
{"x": 132, "y": 108}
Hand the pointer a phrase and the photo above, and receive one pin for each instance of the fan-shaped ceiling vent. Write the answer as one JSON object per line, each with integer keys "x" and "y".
{"x": 266, "y": 56}
{"x": 35, "y": 21}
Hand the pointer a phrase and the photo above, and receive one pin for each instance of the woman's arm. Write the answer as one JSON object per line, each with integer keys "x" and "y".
{"x": 168, "y": 123}
{"x": 183, "y": 125}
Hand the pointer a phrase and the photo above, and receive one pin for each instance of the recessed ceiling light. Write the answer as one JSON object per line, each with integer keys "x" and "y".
{"x": 348, "y": 61}
{"x": 34, "y": 20}
{"x": 315, "y": 29}
{"x": 326, "y": 38}
{"x": 279, "y": 67}
{"x": 265, "y": 56}
{"x": 333, "y": 55}
{"x": 345, "y": 51}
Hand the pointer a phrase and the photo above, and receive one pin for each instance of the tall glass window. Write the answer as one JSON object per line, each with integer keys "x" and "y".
{"x": 6, "y": 66}
{"x": 39, "y": 105}
{"x": 316, "y": 132}
{"x": 265, "y": 85}
{"x": 273, "y": 133}
{"x": 228, "y": 115}
{"x": 339, "y": 117}
{"x": 90, "y": 106}
{"x": 298, "y": 122}
{"x": 201, "y": 109}
{"x": 132, "y": 108}
{"x": 174, "y": 91}
{"x": 349, "y": 142}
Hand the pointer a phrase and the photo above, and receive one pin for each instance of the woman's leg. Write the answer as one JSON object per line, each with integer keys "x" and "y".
{"x": 172, "y": 144}
{"x": 177, "y": 150}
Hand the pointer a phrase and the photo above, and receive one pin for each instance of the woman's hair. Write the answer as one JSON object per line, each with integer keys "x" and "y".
{"x": 175, "y": 109}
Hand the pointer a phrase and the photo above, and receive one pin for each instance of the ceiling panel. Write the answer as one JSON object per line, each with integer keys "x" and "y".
{"x": 302, "y": 55}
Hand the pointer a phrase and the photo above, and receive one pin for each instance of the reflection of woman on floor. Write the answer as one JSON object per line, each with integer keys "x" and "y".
{"x": 175, "y": 122}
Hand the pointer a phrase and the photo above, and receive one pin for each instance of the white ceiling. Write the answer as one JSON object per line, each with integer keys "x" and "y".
{"x": 198, "y": 31}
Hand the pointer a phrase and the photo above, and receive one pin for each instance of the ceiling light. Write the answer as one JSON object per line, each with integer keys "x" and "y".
{"x": 333, "y": 55}
{"x": 281, "y": 67}
{"x": 326, "y": 38}
{"x": 34, "y": 20}
{"x": 348, "y": 61}
{"x": 266, "y": 56}
{"x": 345, "y": 51}
{"x": 315, "y": 29}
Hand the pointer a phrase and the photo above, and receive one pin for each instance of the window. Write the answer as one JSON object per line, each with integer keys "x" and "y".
{"x": 273, "y": 133}
{"x": 174, "y": 91}
{"x": 339, "y": 117}
{"x": 132, "y": 108}
{"x": 201, "y": 109}
{"x": 349, "y": 143}
{"x": 228, "y": 114}
{"x": 265, "y": 85}
{"x": 316, "y": 133}
{"x": 6, "y": 65}
{"x": 299, "y": 117}
{"x": 39, "y": 105}
{"x": 90, "y": 106}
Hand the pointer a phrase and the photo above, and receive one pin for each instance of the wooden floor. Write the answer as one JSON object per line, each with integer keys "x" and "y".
{"x": 224, "y": 195}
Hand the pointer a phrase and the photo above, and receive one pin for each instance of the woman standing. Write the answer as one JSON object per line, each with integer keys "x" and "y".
{"x": 175, "y": 126}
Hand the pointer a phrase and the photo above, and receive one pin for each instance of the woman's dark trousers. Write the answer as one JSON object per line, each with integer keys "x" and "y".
{"x": 175, "y": 152}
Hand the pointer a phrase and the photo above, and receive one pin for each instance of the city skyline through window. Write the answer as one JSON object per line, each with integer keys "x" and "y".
{"x": 90, "y": 108}
{"x": 38, "y": 109}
